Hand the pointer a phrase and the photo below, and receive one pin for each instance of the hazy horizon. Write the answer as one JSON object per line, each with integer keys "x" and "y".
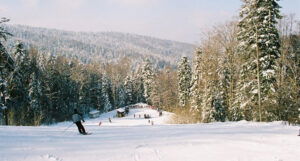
{"x": 176, "y": 20}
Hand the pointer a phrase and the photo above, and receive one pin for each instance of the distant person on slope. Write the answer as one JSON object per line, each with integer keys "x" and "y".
{"x": 77, "y": 117}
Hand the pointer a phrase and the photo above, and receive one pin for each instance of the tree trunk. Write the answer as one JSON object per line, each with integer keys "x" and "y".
{"x": 258, "y": 75}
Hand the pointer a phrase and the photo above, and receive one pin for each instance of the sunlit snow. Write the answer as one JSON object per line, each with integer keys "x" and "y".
{"x": 135, "y": 139}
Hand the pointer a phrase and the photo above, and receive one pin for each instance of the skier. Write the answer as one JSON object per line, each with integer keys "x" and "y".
{"x": 77, "y": 117}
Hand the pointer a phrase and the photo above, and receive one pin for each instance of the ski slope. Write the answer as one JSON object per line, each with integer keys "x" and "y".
{"x": 135, "y": 139}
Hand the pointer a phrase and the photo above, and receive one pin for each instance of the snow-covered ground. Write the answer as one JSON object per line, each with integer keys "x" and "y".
{"x": 135, "y": 139}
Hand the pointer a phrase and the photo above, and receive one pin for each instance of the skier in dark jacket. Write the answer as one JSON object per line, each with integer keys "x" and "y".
{"x": 77, "y": 117}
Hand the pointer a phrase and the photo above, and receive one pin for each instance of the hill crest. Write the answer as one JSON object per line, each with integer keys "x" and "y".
{"x": 101, "y": 46}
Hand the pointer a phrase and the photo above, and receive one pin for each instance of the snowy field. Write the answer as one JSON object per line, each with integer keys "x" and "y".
{"x": 134, "y": 139}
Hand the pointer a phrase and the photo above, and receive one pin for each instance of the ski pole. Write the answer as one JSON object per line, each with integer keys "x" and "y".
{"x": 68, "y": 127}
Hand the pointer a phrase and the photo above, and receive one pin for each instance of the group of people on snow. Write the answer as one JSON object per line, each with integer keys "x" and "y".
{"x": 78, "y": 117}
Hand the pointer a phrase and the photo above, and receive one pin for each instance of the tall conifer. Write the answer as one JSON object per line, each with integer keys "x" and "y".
{"x": 259, "y": 48}
{"x": 184, "y": 81}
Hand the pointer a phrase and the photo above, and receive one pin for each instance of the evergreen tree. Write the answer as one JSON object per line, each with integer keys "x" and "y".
{"x": 184, "y": 83}
{"x": 259, "y": 48}
{"x": 208, "y": 110}
{"x": 220, "y": 101}
{"x": 195, "y": 89}
{"x": 106, "y": 87}
{"x": 94, "y": 90}
{"x": 148, "y": 81}
{"x": 6, "y": 67}
{"x": 35, "y": 89}
{"x": 3, "y": 32}
{"x": 155, "y": 97}
{"x": 138, "y": 88}
{"x": 121, "y": 97}
{"x": 219, "y": 109}
{"x": 35, "y": 94}
{"x": 4, "y": 97}
{"x": 61, "y": 90}
{"x": 128, "y": 85}
{"x": 53, "y": 88}
{"x": 85, "y": 91}
{"x": 237, "y": 111}
{"x": 18, "y": 86}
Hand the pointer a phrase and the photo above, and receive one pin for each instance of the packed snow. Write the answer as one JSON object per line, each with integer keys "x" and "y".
{"x": 133, "y": 138}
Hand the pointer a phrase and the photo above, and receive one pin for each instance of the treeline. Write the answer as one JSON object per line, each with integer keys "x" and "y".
{"x": 98, "y": 47}
{"x": 246, "y": 70}
{"x": 37, "y": 88}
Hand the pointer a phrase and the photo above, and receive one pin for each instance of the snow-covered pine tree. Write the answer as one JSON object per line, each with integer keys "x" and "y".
{"x": 18, "y": 85}
{"x": 237, "y": 111}
{"x": 209, "y": 92}
{"x": 148, "y": 80}
{"x": 128, "y": 85}
{"x": 195, "y": 89}
{"x": 35, "y": 94}
{"x": 6, "y": 67}
{"x": 138, "y": 86}
{"x": 59, "y": 88}
{"x": 155, "y": 98}
{"x": 259, "y": 48}
{"x": 219, "y": 108}
{"x": 220, "y": 102}
{"x": 3, "y": 32}
{"x": 121, "y": 96}
{"x": 210, "y": 80}
{"x": 87, "y": 87}
{"x": 106, "y": 87}
{"x": 3, "y": 91}
{"x": 226, "y": 38}
{"x": 184, "y": 81}
{"x": 94, "y": 92}
{"x": 99, "y": 93}
{"x": 3, "y": 100}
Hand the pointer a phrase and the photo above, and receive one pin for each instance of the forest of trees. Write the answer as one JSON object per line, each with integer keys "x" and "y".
{"x": 89, "y": 47}
{"x": 42, "y": 88}
{"x": 243, "y": 70}
{"x": 246, "y": 70}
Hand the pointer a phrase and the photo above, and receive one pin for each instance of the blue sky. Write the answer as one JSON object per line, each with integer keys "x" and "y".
{"x": 181, "y": 20}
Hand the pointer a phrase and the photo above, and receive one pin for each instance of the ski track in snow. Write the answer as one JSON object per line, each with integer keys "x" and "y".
{"x": 134, "y": 139}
